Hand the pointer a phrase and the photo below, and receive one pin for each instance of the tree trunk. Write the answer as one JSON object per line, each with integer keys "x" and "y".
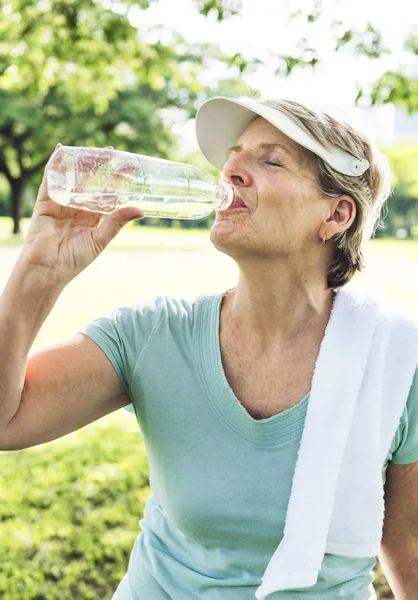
{"x": 409, "y": 221}
{"x": 17, "y": 189}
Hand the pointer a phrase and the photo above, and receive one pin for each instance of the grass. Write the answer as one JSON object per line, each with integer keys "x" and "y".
{"x": 133, "y": 237}
{"x": 70, "y": 508}
{"x": 144, "y": 262}
{"x": 69, "y": 513}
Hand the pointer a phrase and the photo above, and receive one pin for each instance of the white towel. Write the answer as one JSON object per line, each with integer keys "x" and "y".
{"x": 362, "y": 377}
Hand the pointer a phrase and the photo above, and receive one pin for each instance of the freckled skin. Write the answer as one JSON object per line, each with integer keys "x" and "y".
{"x": 284, "y": 208}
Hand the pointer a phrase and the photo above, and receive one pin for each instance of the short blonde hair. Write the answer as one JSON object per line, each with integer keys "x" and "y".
{"x": 370, "y": 191}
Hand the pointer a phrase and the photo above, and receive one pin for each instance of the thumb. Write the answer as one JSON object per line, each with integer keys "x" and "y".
{"x": 112, "y": 224}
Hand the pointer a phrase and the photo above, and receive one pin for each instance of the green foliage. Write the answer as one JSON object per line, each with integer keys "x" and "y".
{"x": 80, "y": 73}
{"x": 305, "y": 56}
{"x": 403, "y": 204}
{"x": 368, "y": 42}
{"x": 56, "y": 43}
{"x": 411, "y": 40}
{"x": 69, "y": 512}
{"x": 403, "y": 157}
{"x": 233, "y": 87}
{"x": 397, "y": 86}
{"x": 222, "y": 9}
{"x": 4, "y": 197}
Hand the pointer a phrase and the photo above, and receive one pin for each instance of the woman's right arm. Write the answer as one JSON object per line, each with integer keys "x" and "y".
{"x": 71, "y": 384}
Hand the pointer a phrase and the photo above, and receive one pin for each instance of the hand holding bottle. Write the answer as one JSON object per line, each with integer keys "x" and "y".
{"x": 66, "y": 240}
{"x": 102, "y": 180}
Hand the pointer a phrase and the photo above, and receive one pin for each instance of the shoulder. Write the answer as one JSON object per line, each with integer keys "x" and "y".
{"x": 402, "y": 324}
{"x": 162, "y": 309}
{"x": 399, "y": 312}
{"x": 390, "y": 312}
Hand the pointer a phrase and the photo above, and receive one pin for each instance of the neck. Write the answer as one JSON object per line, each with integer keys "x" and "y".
{"x": 277, "y": 307}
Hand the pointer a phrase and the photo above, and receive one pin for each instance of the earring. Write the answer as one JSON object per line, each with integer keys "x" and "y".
{"x": 324, "y": 239}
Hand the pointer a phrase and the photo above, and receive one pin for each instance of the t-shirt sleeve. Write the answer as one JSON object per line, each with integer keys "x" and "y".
{"x": 407, "y": 449}
{"x": 123, "y": 336}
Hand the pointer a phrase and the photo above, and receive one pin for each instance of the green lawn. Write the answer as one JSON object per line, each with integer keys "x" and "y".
{"x": 144, "y": 262}
{"x": 69, "y": 509}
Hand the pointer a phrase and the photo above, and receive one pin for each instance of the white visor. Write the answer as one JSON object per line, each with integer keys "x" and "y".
{"x": 221, "y": 121}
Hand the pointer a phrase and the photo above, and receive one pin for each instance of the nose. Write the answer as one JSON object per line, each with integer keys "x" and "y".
{"x": 237, "y": 171}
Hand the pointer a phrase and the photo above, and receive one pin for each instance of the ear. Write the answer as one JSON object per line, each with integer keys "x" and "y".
{"x": 342, "y": 213}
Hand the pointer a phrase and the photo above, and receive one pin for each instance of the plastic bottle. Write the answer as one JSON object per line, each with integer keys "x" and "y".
{"x": 103, "y": 180}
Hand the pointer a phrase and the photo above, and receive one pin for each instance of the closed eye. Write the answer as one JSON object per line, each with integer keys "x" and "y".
{"x": 273, "y": 164}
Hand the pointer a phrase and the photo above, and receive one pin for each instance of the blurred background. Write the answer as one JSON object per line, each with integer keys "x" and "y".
{"x": 132, "y": 74}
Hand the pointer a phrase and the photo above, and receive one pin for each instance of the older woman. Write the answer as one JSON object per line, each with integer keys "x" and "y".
{"x": 226, "y": 387}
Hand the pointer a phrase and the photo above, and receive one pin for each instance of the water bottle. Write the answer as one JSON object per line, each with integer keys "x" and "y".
{"x": 102, "y": 180}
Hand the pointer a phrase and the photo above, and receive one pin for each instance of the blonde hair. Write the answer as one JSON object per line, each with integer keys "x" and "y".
{"x": 370, "y": 191}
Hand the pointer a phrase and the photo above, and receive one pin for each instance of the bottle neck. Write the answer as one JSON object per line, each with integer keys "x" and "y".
{"x": 224, "y": 193}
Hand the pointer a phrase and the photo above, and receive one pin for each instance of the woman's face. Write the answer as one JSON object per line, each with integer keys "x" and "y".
{"x": 276, "y": 181}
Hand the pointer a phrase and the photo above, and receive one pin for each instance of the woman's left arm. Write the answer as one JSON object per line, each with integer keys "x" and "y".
{"x": 399, "y": 548}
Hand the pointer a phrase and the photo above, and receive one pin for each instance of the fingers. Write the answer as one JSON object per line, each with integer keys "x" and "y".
{"x": 122, "y": 178}
{"x": 112, "y": 224}
{"x": 43, "y": 188}
{"x": 89, "y": 163}
{"x": 92, "y": 168}
{"x": 91, "y": 160}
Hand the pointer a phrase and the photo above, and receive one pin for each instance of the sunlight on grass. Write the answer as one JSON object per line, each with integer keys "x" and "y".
{"x": 143, "y": 262}
{"x": 132, "y": 237}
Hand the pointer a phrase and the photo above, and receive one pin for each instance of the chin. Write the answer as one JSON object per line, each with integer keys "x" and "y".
{"x": 226, "y": 236}
{"x": 230, "y": 221}
{"x": 222, "y": 229}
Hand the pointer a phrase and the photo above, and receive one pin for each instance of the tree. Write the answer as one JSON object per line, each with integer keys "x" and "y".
{"x": 397, "y": 86}
{"x": 403, "y": 204}
{"x": 73, "y": 71}
{"x": 65, "y": 63}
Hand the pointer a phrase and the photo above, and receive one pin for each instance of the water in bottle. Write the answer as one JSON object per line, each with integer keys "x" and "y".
{"x": 103, "y": 180}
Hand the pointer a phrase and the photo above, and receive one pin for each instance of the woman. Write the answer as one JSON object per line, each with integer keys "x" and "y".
{"x": 221, "y": 386}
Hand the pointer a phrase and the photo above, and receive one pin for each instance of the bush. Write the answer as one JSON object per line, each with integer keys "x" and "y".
{"x": 69, "y": 514}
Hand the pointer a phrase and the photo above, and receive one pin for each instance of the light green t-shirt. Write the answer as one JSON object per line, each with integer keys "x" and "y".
{"x": 220, "y": 479}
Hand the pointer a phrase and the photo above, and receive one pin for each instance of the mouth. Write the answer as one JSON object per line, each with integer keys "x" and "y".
{"x": 237, "y": 202}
